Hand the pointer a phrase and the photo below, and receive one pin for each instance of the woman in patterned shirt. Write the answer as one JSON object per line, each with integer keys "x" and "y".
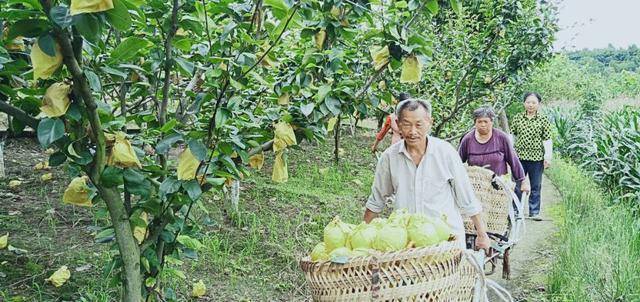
{"x": 532, "y": 132}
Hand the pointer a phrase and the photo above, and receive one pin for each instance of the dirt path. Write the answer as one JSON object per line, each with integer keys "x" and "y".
{"x": 532, "y": 257}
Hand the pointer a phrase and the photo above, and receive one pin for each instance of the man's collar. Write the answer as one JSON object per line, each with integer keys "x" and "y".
{"x": 403, "y": 148}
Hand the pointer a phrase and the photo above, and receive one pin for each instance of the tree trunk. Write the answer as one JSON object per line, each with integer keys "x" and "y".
{"x": 232, "y": 194}
{"x": 336, "y": 139}
{"x": 127, "y": 245}
{"x": 352, "y": 125}
{"x": 2, "y": 138}
{"x": 503, "y": 122}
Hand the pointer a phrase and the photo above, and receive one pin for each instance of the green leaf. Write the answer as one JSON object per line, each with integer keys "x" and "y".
{"x": 168, "y": 186}
{"x": 89, "y": 26}
{"x": 189, "y": 242}
{"x": 163, "y": 146}
{"x": 193, "y": 189}
{"x": 216, "y": 181}
{"x": 198, "y": 149}
{"x": 333, "y": 105}
{"x": 49, "y": 131}
{"x": 169, "y": 126}
{"x": 279, "y": 8}
{"x": 129, "y": 48}
{"x": 60, "y": 16}
{"x": 307, "y": 109}
{"x": 222, "y": 117}
{"x": 47, "y": 45}
{"x": 74, "y": 112}
{"x": 112, "y": 176}
{"x": 185, "y": 65}
{"x": 225, "y": 148}
{"x": 29, "y": 28}
{"x": 114, "y": 72}
{"x": 105, "y": 236}
{"x": 432, "y": 6}
{"x": 135, "y": 183}
{"x": 401, "y": 4}
{"x": 119, "y": 16}
{"x": 57, "y": 159}
{"x": 456, "y": 5}
{"x": 322, "y": 92}
{"x": 94, "y": 81}
{"x": 84, "y": 158}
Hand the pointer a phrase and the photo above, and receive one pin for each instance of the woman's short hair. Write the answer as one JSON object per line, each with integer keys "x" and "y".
{"x": 484, "y": 112}
{"x": 528, "y": 94}
{"x": 412, "y": 104}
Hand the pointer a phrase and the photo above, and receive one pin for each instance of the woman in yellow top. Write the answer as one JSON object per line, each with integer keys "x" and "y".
{"x": 532, "y": 132}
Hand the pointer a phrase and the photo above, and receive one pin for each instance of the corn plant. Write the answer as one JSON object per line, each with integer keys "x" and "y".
{"x": 608, "y": 146}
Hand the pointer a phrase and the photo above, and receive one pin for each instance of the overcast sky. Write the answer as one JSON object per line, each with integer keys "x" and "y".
{"x": 596, "y": 23}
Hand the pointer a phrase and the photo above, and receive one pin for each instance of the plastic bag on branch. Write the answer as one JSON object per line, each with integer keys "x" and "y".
{"x": 78, "y": 192}
{"x": 122, "y": 154}
{"x": 411, "y": 70}
{"x": 44, "y": 65}
{"x": 187, "y": 165}
{"x": 331, "y": 124}
{"x": 256, "y": 161}
{"x": 380, "y": 56}
{"x": 283, "y": 136}
{"x": 280, "y": 173}
{"x": 319, "y": 38}
{"x": 56, "y": 100}
{"x": 90, "y": 6}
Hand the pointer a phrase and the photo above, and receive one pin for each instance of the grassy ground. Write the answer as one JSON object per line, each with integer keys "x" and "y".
{"x": 250, "y": 255}
{"x": 599, "y": 258}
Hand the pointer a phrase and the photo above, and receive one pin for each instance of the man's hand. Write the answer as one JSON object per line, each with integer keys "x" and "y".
{"x": 547, "y": 164}
{"x": 369, "y": 215}
{"x": 483, "y": 241}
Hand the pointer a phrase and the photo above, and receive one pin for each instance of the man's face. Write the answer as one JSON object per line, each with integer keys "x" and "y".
{"x": 414, "y": 126}
{"x": 484, "y": 125}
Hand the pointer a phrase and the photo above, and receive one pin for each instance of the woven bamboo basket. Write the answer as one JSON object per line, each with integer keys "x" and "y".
{"x": 495, "y": 201}
{"x": 422, "y": 274}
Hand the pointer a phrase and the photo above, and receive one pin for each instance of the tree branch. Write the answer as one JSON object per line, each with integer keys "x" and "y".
{"x": 18, "y": 114}
{"x": 473, "y": 66}
{"x": 370, "y": 81}
{"x": 168, "y": 63}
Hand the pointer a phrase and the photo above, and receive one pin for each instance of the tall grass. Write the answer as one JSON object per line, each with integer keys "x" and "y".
{"x": 599, "y": 254}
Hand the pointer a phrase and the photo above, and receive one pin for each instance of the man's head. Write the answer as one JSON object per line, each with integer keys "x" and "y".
{"x": 414, "y": 121}
{"x": 483, "y": 119}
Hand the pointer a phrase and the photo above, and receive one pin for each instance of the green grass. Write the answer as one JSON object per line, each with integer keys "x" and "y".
{"x": 599, "y": 252}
